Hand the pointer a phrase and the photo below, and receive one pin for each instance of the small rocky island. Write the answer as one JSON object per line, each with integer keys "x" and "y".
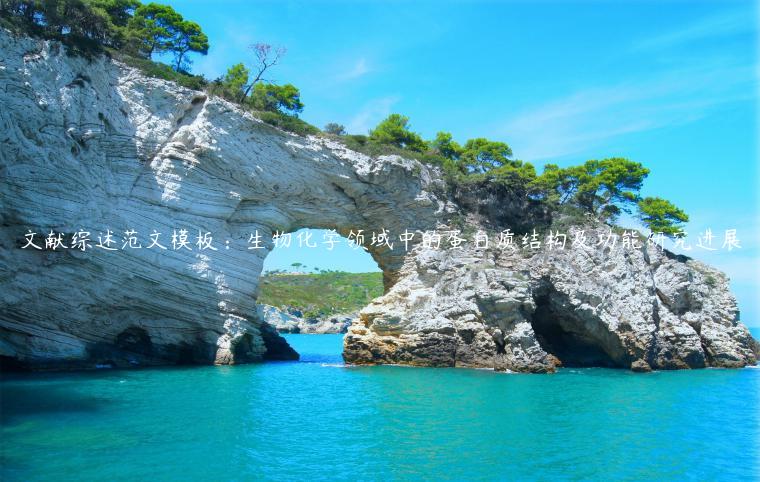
{"x": 92, "y": 145}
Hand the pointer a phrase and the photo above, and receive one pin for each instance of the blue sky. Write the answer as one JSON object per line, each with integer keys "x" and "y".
{"x": 671, "y": 84}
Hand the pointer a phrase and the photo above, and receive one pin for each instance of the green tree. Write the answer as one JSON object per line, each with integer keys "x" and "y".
{"x": 188, "y": 37}
{"x": 604, "y": 187}
{"x": 119, "y": 11}
{"x": 234, "y": 81}
{"x": 662, "y": 216}
{"x": 77, "y": 22}
{"x": 153, "y": 27}
{"x": 156, "y": 28}
{"x": 481, "y": 155}
{"x": 26, "y": 12}
{"x": 445, "y": 146}
{"x": 394, "y": 130}
{"x": 335, "y": 129}
{"x": 277, "y": 98}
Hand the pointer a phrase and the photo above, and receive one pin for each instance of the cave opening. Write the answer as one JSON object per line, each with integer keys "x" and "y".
{"x": 576, "y": 340}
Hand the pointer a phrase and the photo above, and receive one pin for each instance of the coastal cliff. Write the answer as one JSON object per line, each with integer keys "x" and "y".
{"x": 91, "y": 145}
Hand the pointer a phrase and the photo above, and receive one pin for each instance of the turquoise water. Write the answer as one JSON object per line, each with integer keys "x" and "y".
{"x": 317, "y": 420}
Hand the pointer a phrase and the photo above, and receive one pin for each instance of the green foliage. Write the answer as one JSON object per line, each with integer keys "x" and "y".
{"x": 125, "y": 25}
{"x": 604, "y": 187}
{"x": 188, "y": 38}
{"x": 370, "y": 147}
{"x": 394, "y": 131}
{"x": 232, "y": 85}
{"x": 287, "y": 122}
{"x": 335, "y": 129}
{"x": 481, "y": 155}
{"x": 661, "y": 216}
{"x": 152, "y": 28}
{"x": 283, "y": 98}
{"x": 445, "y": 146}
{"x": 84, "y": 25}
{"x": 161, "y": 71}
{"x": 118, "y": 11}
{"x": 321, "y": 294}
{"x": 156, "y": 28}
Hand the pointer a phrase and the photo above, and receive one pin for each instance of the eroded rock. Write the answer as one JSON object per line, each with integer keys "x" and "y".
{"x": 94, "y": 146}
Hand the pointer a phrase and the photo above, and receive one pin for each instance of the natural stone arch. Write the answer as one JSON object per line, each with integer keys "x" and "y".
{"x": 152, "y": 156}
{"x": 94, "y": 145}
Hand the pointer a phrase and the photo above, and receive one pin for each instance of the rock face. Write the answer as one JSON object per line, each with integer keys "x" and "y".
{"x": 96, "y": 147}
{"x": 635, "y": 308}
{"x": 291, "y": 322}
{"x": 93, "y": 146}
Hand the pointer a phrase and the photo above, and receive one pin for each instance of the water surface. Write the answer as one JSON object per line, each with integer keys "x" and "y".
{"x": 318, "y": 420}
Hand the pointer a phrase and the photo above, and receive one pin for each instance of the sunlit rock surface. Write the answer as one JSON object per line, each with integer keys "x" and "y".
{"x": 641, "y": 309}
{"x": 286, "y": 321}
{"x": 92, "y": 146}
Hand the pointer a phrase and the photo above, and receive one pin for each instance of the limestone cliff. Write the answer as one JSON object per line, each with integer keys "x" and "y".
{"x": 92, "y": 146}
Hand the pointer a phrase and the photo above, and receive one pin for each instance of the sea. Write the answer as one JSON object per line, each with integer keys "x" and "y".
{"x": 316, "y": 419}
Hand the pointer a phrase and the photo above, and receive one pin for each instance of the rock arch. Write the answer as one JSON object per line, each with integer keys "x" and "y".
{"x": 92, "y": 145}
{"x": 121, "y": 152}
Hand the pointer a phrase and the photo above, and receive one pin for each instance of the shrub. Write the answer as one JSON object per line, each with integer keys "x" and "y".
{"x": 335, "y": 129}
{"x": 287, "y": 122}
{"x": 161, "y": 71}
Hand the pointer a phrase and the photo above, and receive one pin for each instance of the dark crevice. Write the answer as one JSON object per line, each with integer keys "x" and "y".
{"x": 277, "y": 347}
{"x": 563, "y": 334}
{"x": 11, "y": 365}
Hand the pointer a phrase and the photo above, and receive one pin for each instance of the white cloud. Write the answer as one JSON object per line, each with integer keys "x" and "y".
{"x": 371, "y": 113}
{"x": 585, "y": 118}
{"x": 359, "y": 69}
{"x": 671, "y": 96}
{"x": 708, "y": 27}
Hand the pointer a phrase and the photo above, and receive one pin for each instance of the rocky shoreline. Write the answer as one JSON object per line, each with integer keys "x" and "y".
{"x": 293, "y": 321}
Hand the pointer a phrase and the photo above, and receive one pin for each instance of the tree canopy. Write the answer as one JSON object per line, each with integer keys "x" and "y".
{"x": 604, "y": 187}
{"x": 188, "y": 38}
{"x": 141, "y": 30}
{"x": 445, "y": 146}
{"x": 395, "y": 130}
{"x": 481, "y": 155}
{"x": 335, "y": 129}
{"x": 661, "y": 216}
{"x": 156, "y": 28}
{"x": 234, "y": 82}
{"x": 283, "y": 98}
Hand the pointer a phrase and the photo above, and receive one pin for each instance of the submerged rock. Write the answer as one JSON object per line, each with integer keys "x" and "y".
{"x": 95, "y": 147}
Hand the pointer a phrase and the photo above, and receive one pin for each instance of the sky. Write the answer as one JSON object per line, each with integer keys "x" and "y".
{"x": 670, "y": 84}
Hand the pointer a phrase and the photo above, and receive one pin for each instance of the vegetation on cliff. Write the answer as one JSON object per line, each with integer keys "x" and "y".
{"x": 137, "y": 34}
{"x": 134, "y": 33}
{"x": 320, "y": 294}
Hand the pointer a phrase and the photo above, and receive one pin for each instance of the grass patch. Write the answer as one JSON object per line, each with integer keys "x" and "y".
{"x": 365, "y": 145}
{"x": 287, "y": 122}
{"x": 320, "y": 294}
{"x": 160, "y": 71}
